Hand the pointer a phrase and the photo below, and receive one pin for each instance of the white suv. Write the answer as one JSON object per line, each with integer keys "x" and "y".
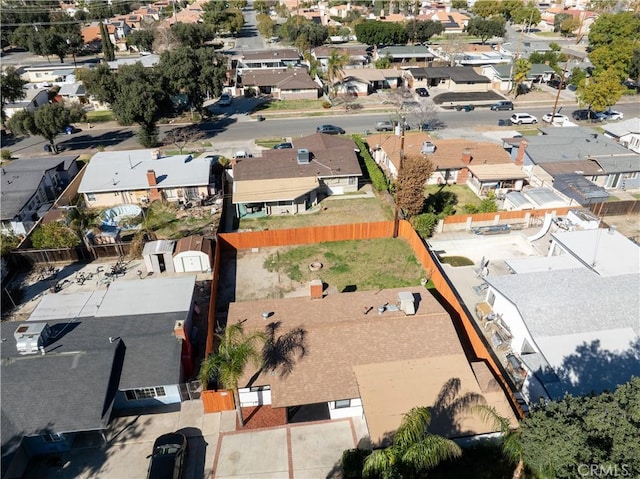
{"x": 520, "y": 118}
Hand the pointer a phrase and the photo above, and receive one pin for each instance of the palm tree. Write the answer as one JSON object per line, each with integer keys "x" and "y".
{"x": 225, "y": 367}
{"x": 522, "y": 67}
{"x": 335, "y": 67}
{"x": 511, "y": 444}
{"x": 413, "y": 450}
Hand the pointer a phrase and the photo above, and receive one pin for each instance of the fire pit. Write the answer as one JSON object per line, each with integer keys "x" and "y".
{"x": 315, "y": 266}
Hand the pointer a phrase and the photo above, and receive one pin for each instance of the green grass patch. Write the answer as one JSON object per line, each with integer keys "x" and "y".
{"x": 365, "y": 265}
{"x": 612, "y": 198}
{"x": 283, "y": 105}
{"x": 457, "y": 195}
{"x": 99, "y": 116}
{"x": 269, "y": 142}
{"x": 457, "y": 261}
{"x": 636, "y": 195}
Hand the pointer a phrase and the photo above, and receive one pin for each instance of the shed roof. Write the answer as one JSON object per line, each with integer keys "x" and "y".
{"x": 497, "y": 172}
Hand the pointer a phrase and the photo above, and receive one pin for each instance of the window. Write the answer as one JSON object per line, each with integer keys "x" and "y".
{"x": 352, "y": 180}
{"x": 342, "y": 403}
{"x": 630, "y": 176}
{"x": 91, "y": 196}
{"x": 53, "y": 437}
{"x": 491, "y": 298}
{"x": 144, "y": 393}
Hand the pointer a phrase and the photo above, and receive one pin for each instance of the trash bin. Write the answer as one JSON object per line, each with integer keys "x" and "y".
{"x": 47, "y": 148}
{"x": 503, "y": 122}
{"x": 69, "y": 130}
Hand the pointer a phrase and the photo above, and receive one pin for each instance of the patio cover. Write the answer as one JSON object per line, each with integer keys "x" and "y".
{"x": 497, "y": 172}
{"x": 278, "y": 189}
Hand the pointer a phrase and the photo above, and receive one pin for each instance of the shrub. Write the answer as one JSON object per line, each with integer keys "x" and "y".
{"x": 54, "y": 235}
{"x": 352, "y": 463}
{"x": 326, "y": 104}
{"x": 424, "y": 224}
{"x": 378, "y": 179}
{"x": 5, "y": 154}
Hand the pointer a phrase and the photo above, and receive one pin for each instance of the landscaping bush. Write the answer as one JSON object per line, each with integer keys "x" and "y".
{"x": 457, "y": 261}
{"x": 378, "y": 179}
{"x": 352, "y": 463}
{"x": 424, "y": 224}
{"x": 5, "y": 155}
{"x": 326, "y": 104}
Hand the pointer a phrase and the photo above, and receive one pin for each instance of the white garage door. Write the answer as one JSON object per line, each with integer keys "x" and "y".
{"x": 191, "y": 264}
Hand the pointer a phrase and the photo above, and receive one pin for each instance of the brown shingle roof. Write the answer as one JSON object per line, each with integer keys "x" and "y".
{"x": 277, "y": 54}
{"x": 448, "y": 154}
{"x": 330, "y": 157}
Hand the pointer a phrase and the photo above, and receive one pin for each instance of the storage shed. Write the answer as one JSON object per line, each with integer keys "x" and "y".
{"x": 193, "y": 254}
{"x": 158, "y": 256}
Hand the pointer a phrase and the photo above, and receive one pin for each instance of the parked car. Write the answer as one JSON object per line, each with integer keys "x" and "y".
{"x": 609, "y": 115}
{"x": 384, "y": 126}
{"x": 502, "y": 105}
{"x": 557, "y": 84}
{"x": 556, "y": 119}
{"x": 422, "y": 91}
{"x": 225, "y": 100}
{"x": 283, "y": 146}
{"x": 330, "y": 130}
{"x": 465, "y": 107}
{"x": 587, "y": 115}
{"x": 632, "y": 85}
{"x": 167, "y": 457}
{"x": 523, "y": 118}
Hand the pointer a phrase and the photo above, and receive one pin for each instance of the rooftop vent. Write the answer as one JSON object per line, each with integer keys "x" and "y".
{"x": 31, "y": 336}
{"x": 303, "y": 156}
{"x": 407, "y": 303}
{"x": 427, "y": 147}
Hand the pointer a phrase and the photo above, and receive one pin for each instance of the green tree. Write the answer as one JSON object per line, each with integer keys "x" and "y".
{"x": 410, "y": 184}
{"x": 54, "y": 235}
{"x": 486, "y": 28}
{"x": 141, "y": 97}
{"x": 569, "y": 26}
{"x": 414, "y": 450}
{"x": 47, "y": 121}
{"x": 521, "y": 71}
{"x": 142, "y": 39}
{"x": 601, "y": 90}
{"x": 99, "y": 82}
{"x": 11, "y": 88}
{"x": 526, "y": 15}
{"x": 265, "y": 24}
{"x": 181, "y": 68}
{"x": 193, "y": 34}
{"x": 601, "y": 429}
{"x": 80, "y": 218}
{"x": 578, "y": 76}
{"x": 486, "y": 8}
{"x": 460, "y": 4}
{"x": 609, "y": 28}
{"x": 618, "y": 58}
{"x": 509, "y": 7}
{"x": 107, "y": 47}
{"x": 336, "y": 62}
{"x": 422, "y": 31}
{"x": 373, "y": 32}
{"x": 225, "y": 367}
{"x": 384, "y": 62}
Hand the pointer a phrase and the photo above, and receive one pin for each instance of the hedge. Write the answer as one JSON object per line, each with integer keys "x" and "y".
{"x": 378, "y": 179}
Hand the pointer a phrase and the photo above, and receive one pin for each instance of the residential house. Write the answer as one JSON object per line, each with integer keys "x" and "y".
{"x": 29, "y": 188}
{"x": 142, "y": 176}
{"x": 267, "y": 59}
{"x": 91, "y": 35}
{"x": 455, "y": 79}
{"x": 290, "y": 181}
{"x": 118, "y": 31}
{"x": 572, "y": 316}
{"x": 364, "y": 81}
{"x": 281, "y": 84}
{"x": 358, "y": 55}
{"x": 146, "y": 61}
{"x": 585, "y": 18}
{"x": 523, "y": 49}
{"x": 482, "y": 166}
{"x": 626, "y": 132}
{"x": 47, "y": 74}
{"x": 72, "y": 92}
{"x": 373, "y": 353}
{"x": 619, "y": 168}
{"x": 93, "y": 353}
{"x": 34, "y": 99}
{"x": 151, "y": 13}
{"x": 501, "y": 75}
{"x": 404, "y": 54}
{"x": 453, "y": 22}
{"x": 481, "y": 55}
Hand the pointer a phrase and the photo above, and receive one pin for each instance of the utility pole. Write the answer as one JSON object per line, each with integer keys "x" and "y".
{"x": 517, "y": 54}
{"x": 555, "y": 104}
{"x": 396, "y": 213}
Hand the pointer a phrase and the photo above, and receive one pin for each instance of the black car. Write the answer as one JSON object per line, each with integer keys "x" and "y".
{"x": 632, "y": 85}
{"x": 557, "y": 84}
{"x": 587, "y": 115}
{"x": 422, "y": 92}
{"x": 167, "y": 458}
{"x": 330, "y": 130}
{"x": 283, "y": 146}
{"x": 502, "y": 105}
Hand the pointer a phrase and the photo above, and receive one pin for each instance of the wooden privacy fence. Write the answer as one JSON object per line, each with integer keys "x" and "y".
{"x": 216, "y": 401}
{"x": 362, "y": 231}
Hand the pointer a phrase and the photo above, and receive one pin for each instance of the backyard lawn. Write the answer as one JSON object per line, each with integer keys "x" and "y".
{"x": 351, "y": 265}
{"x": 328, "y": 212}
{"x": 458, "y": 195}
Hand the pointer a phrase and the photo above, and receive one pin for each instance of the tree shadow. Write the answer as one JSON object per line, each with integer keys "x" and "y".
{"x": 281, "y": 352}
{"x": 438, "y": 201}
{"x": 450, "y": 408}
{"x": 86, "y": 141}
{"x": 591, "y": 369}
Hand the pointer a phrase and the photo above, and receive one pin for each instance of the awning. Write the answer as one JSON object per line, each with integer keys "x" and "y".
{"x": 507, "y": 171}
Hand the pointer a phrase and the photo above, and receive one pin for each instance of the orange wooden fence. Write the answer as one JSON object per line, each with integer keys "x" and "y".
{"x": 504, "y": 215}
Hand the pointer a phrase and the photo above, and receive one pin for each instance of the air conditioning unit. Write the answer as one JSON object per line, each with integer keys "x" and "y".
{"x": 31, "y": 337}
{"x": 407, "y": 303}
{"x": 303, "y": 156}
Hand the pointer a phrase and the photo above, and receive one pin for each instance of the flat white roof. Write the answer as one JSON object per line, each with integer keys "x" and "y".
{"x": 67, "y": 306}
{"x": 148, "y": 296}
{"x": 543, "y": 263}
{"x": 606, "y": 251}
{"x": 127, "y": 170}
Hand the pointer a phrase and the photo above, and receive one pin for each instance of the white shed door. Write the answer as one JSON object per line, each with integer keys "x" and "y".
{"x": 191, "y": 264}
